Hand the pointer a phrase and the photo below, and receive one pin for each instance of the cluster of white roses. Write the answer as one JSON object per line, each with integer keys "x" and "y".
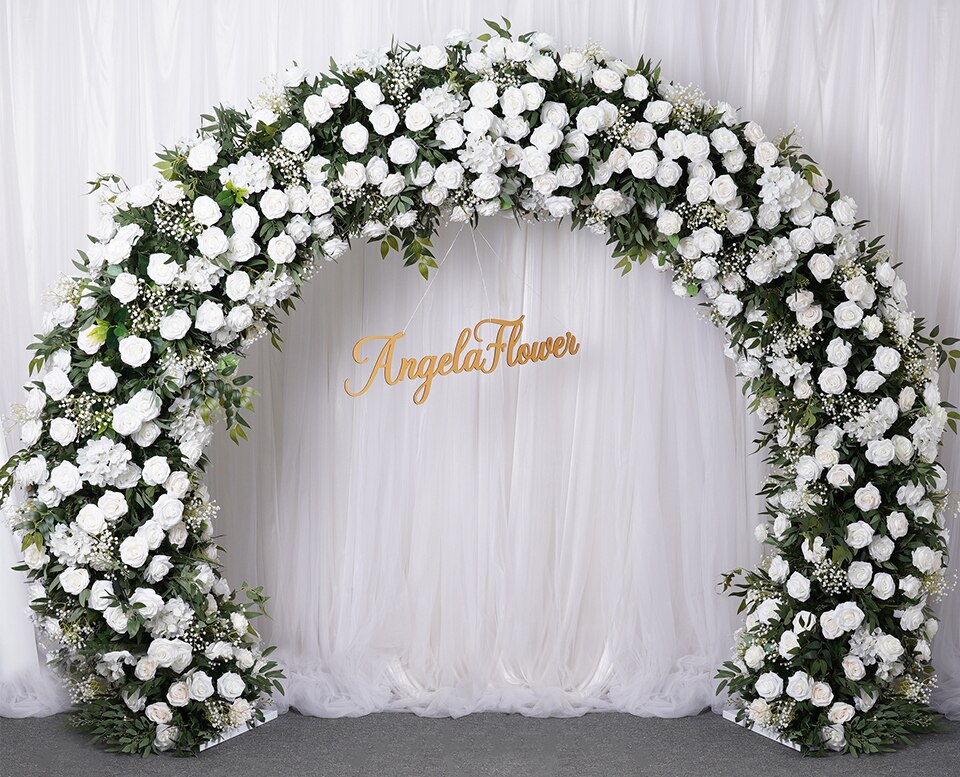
{"x": 187, "y": 269}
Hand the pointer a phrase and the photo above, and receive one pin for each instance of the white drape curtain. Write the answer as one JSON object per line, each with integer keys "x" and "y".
{"x": 546, "y": 539}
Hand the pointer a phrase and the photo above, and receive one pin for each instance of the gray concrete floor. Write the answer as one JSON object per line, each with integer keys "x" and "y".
{"x": 402, "y": 745}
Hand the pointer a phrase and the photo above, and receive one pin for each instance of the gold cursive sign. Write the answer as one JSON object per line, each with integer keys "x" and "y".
{"x": 469, "y": 355}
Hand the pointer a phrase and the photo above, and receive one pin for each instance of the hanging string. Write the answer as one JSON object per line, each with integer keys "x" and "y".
{"x": 434, "y": 279}
{"x": 483, "y": 280}
{"x": 522, "y": 280}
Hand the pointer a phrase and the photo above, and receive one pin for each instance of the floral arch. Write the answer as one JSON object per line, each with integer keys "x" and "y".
{"x": 140, "y": 358}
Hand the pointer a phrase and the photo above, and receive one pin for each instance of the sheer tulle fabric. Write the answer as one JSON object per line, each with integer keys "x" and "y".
{"x": 546, "y": 539}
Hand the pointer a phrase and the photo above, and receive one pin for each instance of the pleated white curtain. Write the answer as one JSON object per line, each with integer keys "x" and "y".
{"x": 546, "y": 539}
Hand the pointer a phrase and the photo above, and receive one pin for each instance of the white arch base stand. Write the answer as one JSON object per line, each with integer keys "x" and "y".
{"x": 769, "y": 733}
{"x": 269, "y": 713}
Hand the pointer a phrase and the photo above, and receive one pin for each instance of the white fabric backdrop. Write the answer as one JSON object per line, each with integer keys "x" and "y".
{"x": 546, "y": 539}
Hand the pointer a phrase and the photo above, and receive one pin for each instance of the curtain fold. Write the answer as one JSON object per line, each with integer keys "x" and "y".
{"x": 546, "y": 539}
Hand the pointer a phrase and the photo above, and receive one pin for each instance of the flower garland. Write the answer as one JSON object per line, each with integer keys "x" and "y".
{"x": 139, "y": 359}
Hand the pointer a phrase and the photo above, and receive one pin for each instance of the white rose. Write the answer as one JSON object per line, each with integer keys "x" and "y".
{"x": 924, "y": 558}
{"x": 847, "y": 315}
{"x": 353, "y": 175}
{"x": 166, "y": 736}
{"x": 883, "y": 586}
{"x": 237, "y": 285}
{"x": 821, "y": 266}
{"x": 113, "y": 504}
{"x": 449, "y": 175}
{"x": 175, "y": 325}
{"x": 769, "y": 685}
{"x": 821, "y": 695}
{"x": 840, "y": 712}
{"x": 274, "y": 204}
{"x": 178, "y": 694}
{"x": 433, "y": 57}
{"x": 754, "y": 656}
{"x": 889, "y": 648}
{"x": 483, "y": 94}
{"x": 417, "y": 117}
{"x": 354, "y": 138}
{"x": 230, "y": 686}
{"x": 798, "y": 587}
{"x": 723, "y": 190}
{"x": 101, "y": 378}
{"x": 728, "y": 305}
{"x": 57, "y": 384}
{"x": 830, "y": 624}
{"x": 826, "y": 456}
{"x": 800, "y": 686}
{"x": 810, "y": 317}
{"x": 869, "y": 381}
{"x": 533, "y": 95}
{"x": 669, "y": 222}
{"x": 134, "y": 551}
{"x": 74, "y": 580}
{"x": 65, "y": 477}
{"x": 657, "y": 111}
{"x": 316, "y": 110}
{"x": 840, "y": 475}
{"x": 636, "y": 87}
{"x": 117, "y": 619}
{"x": 150, "y": 602}
{"x": 853, "y": 668}
{"x": 212, "y": 242}
{"x": 881, "y": 548}
{"x": 203, "y": 154}
{"x": 886, "y": 360}
{"x": 367, "y": 92}
{"x": 833, "y": 380}
{"x": 125, "y": 287}
{"x": 295, "y": 138}
{"x": 555, "y": 113}
{"x": 860, "y": 573}
{"x": 402, "y": 151}
{"x": 698, "y": 190}
{"x": 158, "y": 712}
{"x": 849, "y": 616}
{"x": 209, "y": 316}
{"x": 146, "y": 669}
{"x": 867, "y": 498}
{"x": 779, "y": 569}
{"x": 63, "y": 430}
{"x": 668, "y": 173}
{"x": 839, "y": 352}
{"x": 903, "y": 448}
{"x": 206, "y": 211}
{"x": 607, "y": 80}
{"x": 766, "y": 154}
{"x": 644, "y": 164}
{"x": 897, "y": 525}
{"x": 101, "y": 594}
{"x": 788, "y": 644}
{"x": 161, "y": 269}
{"x": 157, "y": 569}
{"x": 200, "y": 686}
{"x": 872, "y": 327}
{"x": 167, "y": 511}
{"x": 859, "y": 534}
{"x": 91, "y": 519}
{"x": 155, "y": 471}
{"x": 281, "y": 249}
{"x": 880, "y": 452}
{"x": 335, "y": 94}
{"x": 804, "y": 621}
